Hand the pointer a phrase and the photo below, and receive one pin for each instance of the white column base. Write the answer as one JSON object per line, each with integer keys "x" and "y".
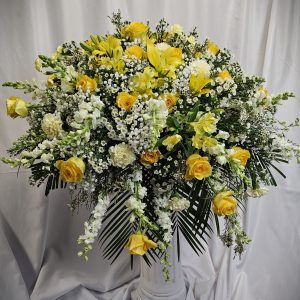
{"x": 152, "y": 285}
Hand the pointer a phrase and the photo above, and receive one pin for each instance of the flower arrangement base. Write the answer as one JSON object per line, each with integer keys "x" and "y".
{"x": 152, "y": 285}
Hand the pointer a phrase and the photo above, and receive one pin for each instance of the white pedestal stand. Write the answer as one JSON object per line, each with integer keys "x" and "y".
{"x": 152, "y": 285}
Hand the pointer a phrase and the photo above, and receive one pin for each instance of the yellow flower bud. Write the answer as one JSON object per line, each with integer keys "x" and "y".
{"x": 51, "y": 80}
{"x": 224, "y": 204}
{"x": 38, "y": 64}
{"x": 16, "y": 107}
{"x": 139, "y": 244}
{"x": 71, "y": 170}
{"x": 225, "y": 75}
{"x": 212, "y": 48}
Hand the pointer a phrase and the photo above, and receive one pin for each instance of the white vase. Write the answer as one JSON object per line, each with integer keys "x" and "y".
{"x": 152, "y": 285}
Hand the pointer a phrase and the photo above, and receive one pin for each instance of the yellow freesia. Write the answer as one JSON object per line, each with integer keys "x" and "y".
{"x": 111, "y": 47}
{"x": 198, "y": 82}
{"x": 143, "y": 83}
{"x": 166, "y": 61}
{"x": 206, "y": 123}
{"x": 171, "y": 141}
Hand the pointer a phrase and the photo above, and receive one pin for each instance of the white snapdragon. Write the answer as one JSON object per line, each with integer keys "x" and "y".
{"x": 47, "y": 157}
{"x": 134, "y": 204}
{"x": 165, "y": 222}
{"x": 156, "y": 115}
{"x": 255, "y": 193}
{"x": 92, "y": 227}
{"x": 200, "y": 66}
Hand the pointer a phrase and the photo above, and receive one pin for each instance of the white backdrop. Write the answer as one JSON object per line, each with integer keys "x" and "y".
{"x": 38, "y": 235}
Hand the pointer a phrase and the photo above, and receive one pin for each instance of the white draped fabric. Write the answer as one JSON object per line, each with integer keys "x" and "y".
{"x": 38, "y": 250}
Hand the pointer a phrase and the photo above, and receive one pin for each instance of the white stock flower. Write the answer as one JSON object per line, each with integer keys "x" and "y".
{"x": 52, "y": 125}
{"x": 121, "y": 155}
{"x": 47, "y": 157}
{"x": 162, "y": 47}
{"x": 200, "y": 66}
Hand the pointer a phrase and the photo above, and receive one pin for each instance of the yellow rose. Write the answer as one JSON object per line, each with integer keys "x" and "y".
{"x": 212, "y": 48}
{"x": 224, "y": 204}
{"x": 136, "y": 51}
{"x": 16, "y": 107}
{"x": 139, "y": 244}
{"x": 149, "y": 157}
{"x": 224, "y": 75}
{"x": 86, "y": 83}
{"x": 125, "y": 100}
{"x": 134, "y": 30}
{"x": 171, "y": 141}
{"x": 197, "y": 167}
{"x": 170, "y": 100}
{"x": 242, "y": 155}
{"x": 71, "y": 170}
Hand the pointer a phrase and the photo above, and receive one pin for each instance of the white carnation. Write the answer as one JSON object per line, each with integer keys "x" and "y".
{"x": 121, "y": 155}
{"x": 52, "y": 125}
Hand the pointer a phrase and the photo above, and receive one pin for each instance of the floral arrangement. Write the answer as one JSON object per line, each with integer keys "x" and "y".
{"x": 155, "y": 133}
